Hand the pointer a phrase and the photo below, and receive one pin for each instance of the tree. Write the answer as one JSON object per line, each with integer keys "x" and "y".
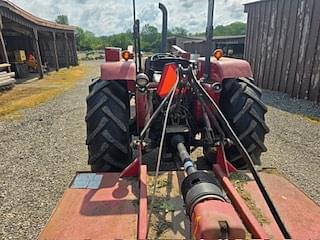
{"x": 62, "y": 19}
{"x": 235, "y": 28}
{"x": 86, "y": 40}
{"x": 150, "y": 39}
{"x": 89, "y": 41}
{"x": 178, "y": 31}
{"x": 79, "y": 36}
{"x": 121, "y": 40}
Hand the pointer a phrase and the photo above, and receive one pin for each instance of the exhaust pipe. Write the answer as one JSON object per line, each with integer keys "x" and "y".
{"x": 209, "y": 36}
{"x": 164, "y": 28}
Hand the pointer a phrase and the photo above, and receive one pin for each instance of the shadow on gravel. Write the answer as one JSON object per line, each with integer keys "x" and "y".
{"x": 283, "y": 102}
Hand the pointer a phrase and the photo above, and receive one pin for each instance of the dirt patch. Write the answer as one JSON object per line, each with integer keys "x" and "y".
{"x": 168, "y": 220}
{"x": 161, "y": 207}
{"x": 273, "y": 171}
{"x": 313, "y": 119}
{"x": 29, "y": 95}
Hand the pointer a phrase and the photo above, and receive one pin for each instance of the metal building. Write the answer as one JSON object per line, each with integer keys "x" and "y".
{"x": 283, "y": 46}
{"x": 52, "y": 44}
{"x": 231, "y": 45}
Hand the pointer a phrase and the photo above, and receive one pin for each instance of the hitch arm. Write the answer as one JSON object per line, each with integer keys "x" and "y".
{"x": 201, "y": 93}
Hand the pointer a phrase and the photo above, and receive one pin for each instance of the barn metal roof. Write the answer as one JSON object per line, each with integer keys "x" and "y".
{"x": 218, "y": 38}
{"x": 7, "y": 5}
{"x": 257, "y": 1}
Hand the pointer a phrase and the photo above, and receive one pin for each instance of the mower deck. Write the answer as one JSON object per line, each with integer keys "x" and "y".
{"x": 107, "y": 212}
{"x": 111, "y": 210}
{"x": 299, "y": 213}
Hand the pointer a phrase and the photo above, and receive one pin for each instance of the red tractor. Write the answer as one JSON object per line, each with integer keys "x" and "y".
{"x": 111, "y": 122}
{"x": 175, "y": 106}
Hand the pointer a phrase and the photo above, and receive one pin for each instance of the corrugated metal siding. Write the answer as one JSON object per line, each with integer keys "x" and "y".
{"x": 283, "y": 46}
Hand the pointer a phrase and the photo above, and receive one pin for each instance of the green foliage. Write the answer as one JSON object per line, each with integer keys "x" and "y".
{"x": 150, "y": 37}
{"x": 178, "y": 31}
{"x": 235, "y": 28}
{"x": 86, "y": 40}
{"x": 62, "y": 19}
{"x": 121, "y": 40}
{"x": 150, "y": 40}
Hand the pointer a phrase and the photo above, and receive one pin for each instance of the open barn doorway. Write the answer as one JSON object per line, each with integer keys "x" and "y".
{"x": 20, "y": 49}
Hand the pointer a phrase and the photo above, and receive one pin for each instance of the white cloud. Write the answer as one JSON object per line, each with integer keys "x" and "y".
{"x": 114, "y": 16}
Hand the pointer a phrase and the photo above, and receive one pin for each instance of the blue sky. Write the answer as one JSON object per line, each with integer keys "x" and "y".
{"x": 114, "y": 16}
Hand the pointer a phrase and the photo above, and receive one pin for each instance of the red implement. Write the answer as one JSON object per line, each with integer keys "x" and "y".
{"x": 220, "y": 222}
{"x": 299, "y": 213}
{"x": 109, "y": 212}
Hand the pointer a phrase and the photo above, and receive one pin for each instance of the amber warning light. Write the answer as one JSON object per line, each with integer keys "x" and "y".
{"x": 126, "y": 55}
{"x": 218, "y": 53}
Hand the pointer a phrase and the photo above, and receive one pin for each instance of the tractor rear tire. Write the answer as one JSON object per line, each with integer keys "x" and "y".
{"x": 241, "y": 104}
{"x": 107, "y": 121}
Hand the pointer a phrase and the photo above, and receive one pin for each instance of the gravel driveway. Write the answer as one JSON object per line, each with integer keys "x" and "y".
{"x": 41, "y": 152}
{"x": 294, "y": 141}
{"x": 39, "y": 156}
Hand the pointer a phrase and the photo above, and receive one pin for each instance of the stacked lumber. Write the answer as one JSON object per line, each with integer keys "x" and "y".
{"x": 7, "y": 79}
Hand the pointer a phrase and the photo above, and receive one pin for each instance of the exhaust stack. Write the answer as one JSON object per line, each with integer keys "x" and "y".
{"x": 164, "y": 28}
{"x": 209, "y": 36}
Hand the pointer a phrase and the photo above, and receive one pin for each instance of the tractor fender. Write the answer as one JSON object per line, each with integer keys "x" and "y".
{"x": 118, "y": 71}
{"x": 226, "y": 68}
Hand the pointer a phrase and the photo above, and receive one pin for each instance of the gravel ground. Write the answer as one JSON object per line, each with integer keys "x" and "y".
{"x": 41, "y": 152}
{"x": 39, "y": 155}
{"x": 294, "y": 141}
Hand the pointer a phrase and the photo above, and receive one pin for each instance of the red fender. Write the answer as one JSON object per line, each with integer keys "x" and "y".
{"x": 221, "y": 70}
{"x": 118, "y": 71}
{"x": 226, "y": 68}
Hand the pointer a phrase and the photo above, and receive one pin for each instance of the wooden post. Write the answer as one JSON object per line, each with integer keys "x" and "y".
{"x": 37, "y": 52}
{"x": 71, "y": 52}
{"x": 55, "y": 50}
{"x": 67, "y": 49}
{"x": 75, "y": 50}
{"x": 3, "y": 50}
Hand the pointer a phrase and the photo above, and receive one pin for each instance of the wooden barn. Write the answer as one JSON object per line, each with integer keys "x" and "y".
{"x": 24, "y": 36}
{"x": 283, "y": 46}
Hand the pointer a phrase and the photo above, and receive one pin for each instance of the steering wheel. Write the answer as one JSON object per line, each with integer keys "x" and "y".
{"x": 158, "y": 56}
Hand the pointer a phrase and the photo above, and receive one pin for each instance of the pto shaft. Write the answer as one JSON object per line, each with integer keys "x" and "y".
{"x": 198, "y": 186}
{"x": 178, "y": 143}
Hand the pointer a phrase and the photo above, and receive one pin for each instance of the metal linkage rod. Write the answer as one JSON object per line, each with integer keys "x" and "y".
{"x": 154, "y": 115}
{"x": 171, "y": 94}
{"x": 202, "y": 94}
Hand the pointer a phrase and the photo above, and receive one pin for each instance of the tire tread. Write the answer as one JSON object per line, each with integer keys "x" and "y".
{"x": 241, "y": 103}
{"x": 107, "y": 121}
